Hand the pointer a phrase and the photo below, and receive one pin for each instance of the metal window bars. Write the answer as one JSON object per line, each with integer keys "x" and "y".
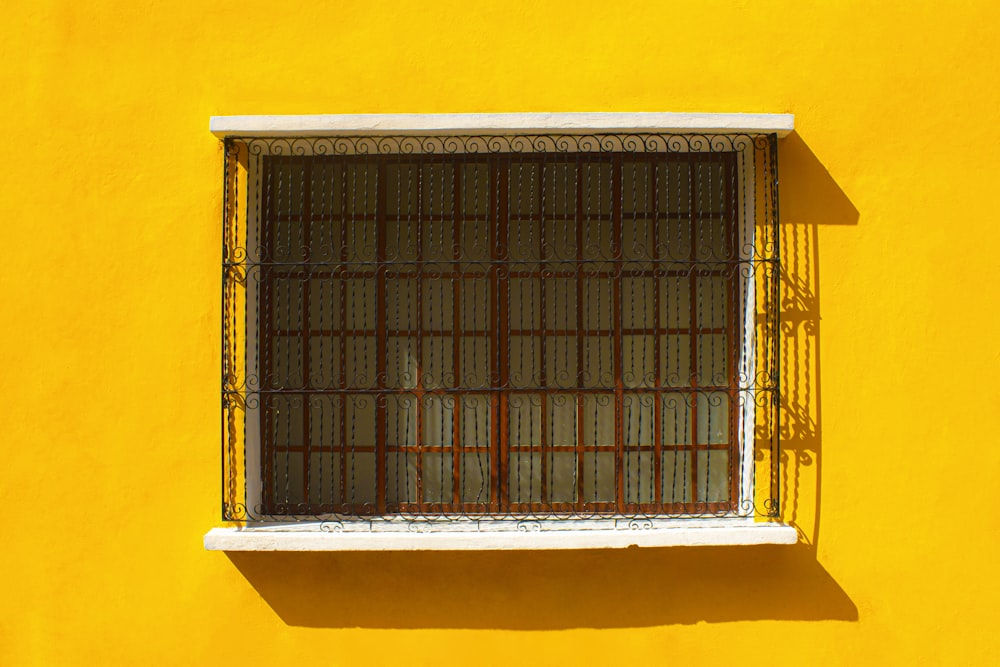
{"x": 448, "y": 327}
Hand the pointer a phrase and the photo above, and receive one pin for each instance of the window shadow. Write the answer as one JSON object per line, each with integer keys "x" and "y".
{"x": 545, "y": 590}
{"x": 809, "y": 198}
{"x": 548, "y": 590}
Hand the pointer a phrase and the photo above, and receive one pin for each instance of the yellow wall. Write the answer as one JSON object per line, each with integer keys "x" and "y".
{"x": 109, "y": 346}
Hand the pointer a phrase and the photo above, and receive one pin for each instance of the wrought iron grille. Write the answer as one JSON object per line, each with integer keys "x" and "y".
{"x": 500, "y": 326}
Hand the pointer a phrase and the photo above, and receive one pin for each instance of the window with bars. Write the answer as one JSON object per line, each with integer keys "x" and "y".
{"x": 556, "y": 326}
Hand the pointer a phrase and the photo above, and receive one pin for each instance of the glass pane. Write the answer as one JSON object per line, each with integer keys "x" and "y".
{"x": 474, "y": 358}
{"x": 675, "y": 477}
{"x": 675, "y": 302}
{"x": 713, "y": 476}
{"x": 525, "y": 477}
{"x": 437, "y": 478}
{"x": 524, "y": 420}
{"x": 597, "y": 189}
{"x": 324, "y": 478}
{"x": 561, "y": 416}
{"x": 361, "y": 241}
{"x": 598, "y": 419}
{"x": 285, "y": 299}
{"x": 598, "y": 477}
{"x": 676, "y": 419}
{"x": 524, "y": 240}
{"x": 402, "y": 362}
{"x": 325, "y": 201}
{"x": 286, "y": 362}
{"x": 713, "y": 418}
{"x": 438, "y": 417}
{"x": 401, "y": 186}
{"x": 560, "y": 241}
{"x": 401, "y": 477}
{"x": 475, "y": 197}
{"x": 598, "y": 303}
{"x": 437, "y": 368}
{"x": 560, "y": 361}
{"x": 637, "y": 192}
{"x": 525, "y": 190}
{"x": 638, "y": 368}
{"x": 359, "y": 369}
{"x": 325, "y": 423}
{"x": 288, "y": 481}
{"x": 324, "y": 362}
{"x": 474, "y": 302}
{"x": 712, "y": 360}
{"x": 360, "y": 481}
{"x": 637, "y": 420}
{"x": 475, "y": 472}
{"x": 560, "y": 188}
{"x": 437, "y": 304}
{"x": 637, "y": 303}
{"x": 637, "y": 241}
{"x": 673, "y": 239}
{"x": 401, "y": 417}
{"x": 639, "y": 477}
{"x": 359, "y": 182}
{"x": 675, "y": 361}
{"x": 475, "y": 422}
{"x": 401, "y": 305}
{"x": 525, "y": 361}
{"x": 674, "y": 187}
{"x": 562, "y": 477}
{"x": 598, "y": 359}
{"x": 711, "y": 239}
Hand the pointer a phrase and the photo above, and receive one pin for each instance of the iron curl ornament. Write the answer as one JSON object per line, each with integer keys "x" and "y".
{"x": 459, "y": 328}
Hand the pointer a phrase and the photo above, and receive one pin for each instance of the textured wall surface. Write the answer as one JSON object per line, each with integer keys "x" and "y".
{"x": 110, "y": 193}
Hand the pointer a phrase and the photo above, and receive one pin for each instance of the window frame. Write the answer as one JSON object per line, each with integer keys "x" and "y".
{"x": 297, "y": 127}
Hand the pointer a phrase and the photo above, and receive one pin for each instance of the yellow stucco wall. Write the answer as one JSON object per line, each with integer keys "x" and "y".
{"x": 109, "y": 346}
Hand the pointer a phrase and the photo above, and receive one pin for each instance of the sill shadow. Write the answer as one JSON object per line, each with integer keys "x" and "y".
{"x": 550, "y": 590}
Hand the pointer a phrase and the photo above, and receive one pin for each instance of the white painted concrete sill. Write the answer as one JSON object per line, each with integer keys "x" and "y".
{"x": 497, "y": 535}
{"x": 499, "y": 123}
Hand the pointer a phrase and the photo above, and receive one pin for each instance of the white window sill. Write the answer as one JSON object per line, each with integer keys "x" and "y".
{"x": 497, "y": 535}
{"x": 499, "y": 123}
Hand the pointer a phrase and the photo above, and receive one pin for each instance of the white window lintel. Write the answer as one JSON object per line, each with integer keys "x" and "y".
{"x": 500, "y": 123}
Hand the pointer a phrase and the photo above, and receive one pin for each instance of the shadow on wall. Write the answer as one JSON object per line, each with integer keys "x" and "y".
{"x": 545, "y": 590}
{"x": 633, "y": 587}
{"x": 809, "y": 197}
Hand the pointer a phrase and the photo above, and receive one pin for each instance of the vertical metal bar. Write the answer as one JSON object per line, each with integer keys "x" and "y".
{"x": 227, "y": 422}
{"x": 418, "y": 440}
{"x": 456, "y": 329}
{"x": 658, "y": 337}
{"x": 581, "y": 337}
{"x": 381, "y": 363}
{"x": 543, "y": 394}
{"x": 617, "y": 212}
{"x": 734, "y": 325}
{"x": 694, "y": 213}
{"x": 342, "y": 339}
{"x": 503, "y": 329}
{"x": 305, "y": 210}
{"x": 496, "y": 446}
{"x": 774, "y": 311}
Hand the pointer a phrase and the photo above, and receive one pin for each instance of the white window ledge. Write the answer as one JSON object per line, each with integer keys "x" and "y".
{"x": 499, "y": 123}
{"x": 496, "y": 535}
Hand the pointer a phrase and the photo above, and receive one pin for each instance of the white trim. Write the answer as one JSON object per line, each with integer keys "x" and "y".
{"x": 499, "y": 123}
{"x": 520, "y": 536}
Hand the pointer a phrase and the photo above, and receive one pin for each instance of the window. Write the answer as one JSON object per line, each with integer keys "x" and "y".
{"x": 532, "y": 325}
